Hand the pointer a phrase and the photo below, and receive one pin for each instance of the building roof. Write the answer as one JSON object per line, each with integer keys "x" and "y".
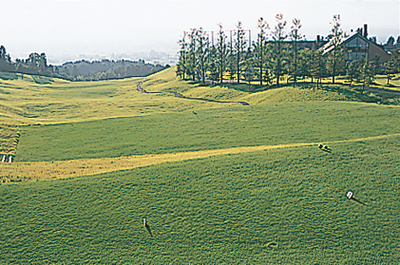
{"x": 328, "y": 47}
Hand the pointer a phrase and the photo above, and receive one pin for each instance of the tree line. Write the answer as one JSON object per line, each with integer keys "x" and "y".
{"x": 83, "y": 70}
{"x": 275, "y": 53}
{"x": 106, "y": 69}
{"x": 34, "y": 64}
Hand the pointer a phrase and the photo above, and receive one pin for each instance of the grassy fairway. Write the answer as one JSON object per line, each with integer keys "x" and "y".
{"x": 24, "y": 101}
{"x": 231, "y": 185}
{"x": 280, "y": 206}
{"x": 227, "y": 127}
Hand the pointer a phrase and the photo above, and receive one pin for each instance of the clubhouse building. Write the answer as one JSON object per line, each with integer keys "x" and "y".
{"x": 358, "y": 46}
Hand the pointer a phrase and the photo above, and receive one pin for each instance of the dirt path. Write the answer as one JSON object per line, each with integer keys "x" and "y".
{"x": 83, "y": 167}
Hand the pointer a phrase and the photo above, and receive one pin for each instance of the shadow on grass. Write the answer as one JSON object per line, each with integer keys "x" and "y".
{"x": 244, "y": 87}
{"x": 8, "y": 75}
{"x": 179, "y": 95}
{"x": 360, "y": 202}
{"x": 148, "y": 229}
{"x": 42, "y": 80}
{"x": 38, "y": 79}
{"x": 357, "y": 93}
{"x": 351, "y": 93}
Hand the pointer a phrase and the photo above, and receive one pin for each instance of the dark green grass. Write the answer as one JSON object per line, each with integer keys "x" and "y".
{"x": 38, "y": 79}
{"x": 219, "y": 210}
{"x": 267, "y": 124}
{"x": 9, "y": 75}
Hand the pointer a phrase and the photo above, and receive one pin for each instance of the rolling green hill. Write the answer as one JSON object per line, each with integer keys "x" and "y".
{"x": 228, "y": 184}
{"x": 27, "y": 99}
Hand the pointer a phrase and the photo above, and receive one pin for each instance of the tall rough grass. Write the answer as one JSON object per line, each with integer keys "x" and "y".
{"x": 9, "y": 139}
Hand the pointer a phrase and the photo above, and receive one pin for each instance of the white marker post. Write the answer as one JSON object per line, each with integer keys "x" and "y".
{"x": 350, "y": 196}
{"x": 10, "y": 159}
{"x": 146, "y": 225}
{"x": 4, "y": 159}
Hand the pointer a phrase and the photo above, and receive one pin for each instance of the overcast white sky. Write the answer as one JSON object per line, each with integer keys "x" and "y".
{"x": 60, "y": 27}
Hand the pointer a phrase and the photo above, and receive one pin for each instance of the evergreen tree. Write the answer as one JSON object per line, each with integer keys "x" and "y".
{"x": 221, "y": 53}
{"x": 231, "y": 60}
{"x": 353, "y": 70}
{"x": 390, "y": 69}
{"x": 213, "y": 64}
{"x": 202, "y": 46}
{"x": 376, "y": 65}
{"x": 335, "y": 62}
{"x": 367, "y": 74}
{"x": 240, "y": 46}
{"x": 181, "y": 66}
{"x": 278, "y": 51}
{"x": 191, "y": 62}
{"x": 260, "y": 48}
{"x": 5, "y": 60}
{"x": 317, "y": 67}
{"x": 3, "y": 53}
{"x": 295, "y": 36}
{"x": 304, "y": 62}
{"x": 249, "y": 66}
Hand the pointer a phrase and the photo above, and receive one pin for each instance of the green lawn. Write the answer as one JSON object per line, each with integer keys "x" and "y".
{"x": 265, "y": 124}
{"x": 277, "y": 206}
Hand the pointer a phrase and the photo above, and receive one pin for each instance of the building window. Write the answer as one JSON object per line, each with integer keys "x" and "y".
{"x": 356, "y": 48}
{"x": 350, "y": 56}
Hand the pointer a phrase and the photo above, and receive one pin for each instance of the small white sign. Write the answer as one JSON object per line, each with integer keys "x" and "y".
{"x": 349, "y": 194}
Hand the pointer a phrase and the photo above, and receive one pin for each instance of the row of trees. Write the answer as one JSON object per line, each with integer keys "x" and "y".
{"x": 34, "y": 64}
{"x": 275, "y": 53}
{"x": 106, "y": 69}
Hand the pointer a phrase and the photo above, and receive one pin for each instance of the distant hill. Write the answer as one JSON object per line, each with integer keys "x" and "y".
{"x": 82, "y": 70}
{"x": 106, "y": 69}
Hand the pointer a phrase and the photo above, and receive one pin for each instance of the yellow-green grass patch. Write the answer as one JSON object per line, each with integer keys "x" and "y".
{"x": 25, "y": 171}
{"x": 9, "y": 139}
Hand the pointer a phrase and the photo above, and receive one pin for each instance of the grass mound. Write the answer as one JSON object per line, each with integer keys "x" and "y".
{"x": 30, "y": 99}
{"x": 254, "y": 94}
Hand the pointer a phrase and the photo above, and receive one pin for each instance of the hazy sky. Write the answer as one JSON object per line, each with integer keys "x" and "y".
{"x": 68, "y": 27}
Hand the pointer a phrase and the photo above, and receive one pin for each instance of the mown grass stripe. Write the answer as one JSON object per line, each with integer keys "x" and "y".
{"x": 21, "y": 171}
